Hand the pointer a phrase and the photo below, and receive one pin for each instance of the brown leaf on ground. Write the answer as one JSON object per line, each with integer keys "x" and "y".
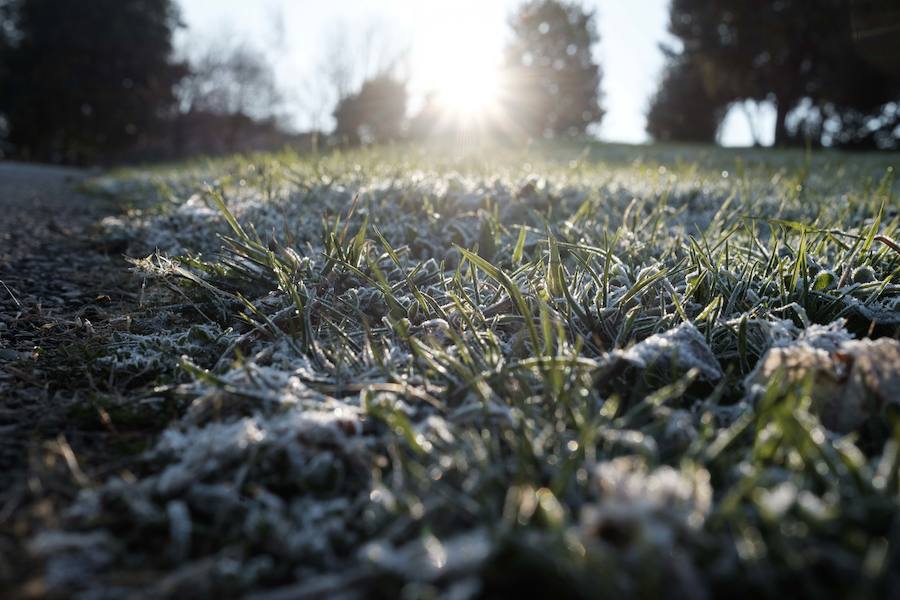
{"x": 858, "y": 380}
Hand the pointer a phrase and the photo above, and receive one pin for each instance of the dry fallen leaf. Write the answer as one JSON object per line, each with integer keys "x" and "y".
{"x": 851, "y": 383}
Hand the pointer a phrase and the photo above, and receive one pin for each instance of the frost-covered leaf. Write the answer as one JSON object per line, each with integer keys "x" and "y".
{"x": 683, "y": 347}
{"x": 852, "y": 380}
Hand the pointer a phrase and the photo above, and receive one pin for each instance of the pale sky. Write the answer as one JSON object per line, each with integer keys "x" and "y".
{"x": 296, "y": 33}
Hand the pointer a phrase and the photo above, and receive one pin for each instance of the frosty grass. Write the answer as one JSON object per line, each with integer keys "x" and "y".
{"x": 507, "y": 373}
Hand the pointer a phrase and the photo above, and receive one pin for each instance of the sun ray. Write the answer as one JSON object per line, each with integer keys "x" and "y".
{"x": 463, "y": 73}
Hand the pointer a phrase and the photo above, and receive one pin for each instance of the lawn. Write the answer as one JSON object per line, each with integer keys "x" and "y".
{"x": 578, "y": 371}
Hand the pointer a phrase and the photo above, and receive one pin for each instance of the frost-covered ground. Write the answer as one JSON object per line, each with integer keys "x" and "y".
{"x": 660, "y": 372}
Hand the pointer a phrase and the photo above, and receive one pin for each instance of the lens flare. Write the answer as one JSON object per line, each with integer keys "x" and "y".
{"x": 469, "y": 87}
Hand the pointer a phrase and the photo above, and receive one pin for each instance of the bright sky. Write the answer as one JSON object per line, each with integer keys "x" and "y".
{"x": 440, "y": 35}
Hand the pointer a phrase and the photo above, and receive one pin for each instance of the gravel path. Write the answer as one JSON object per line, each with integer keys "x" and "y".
{"x": 57, "y": 276}
{"x": 40, "y": 230}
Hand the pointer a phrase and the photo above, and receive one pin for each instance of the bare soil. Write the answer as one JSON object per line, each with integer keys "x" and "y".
{"x": 60, "y": 280}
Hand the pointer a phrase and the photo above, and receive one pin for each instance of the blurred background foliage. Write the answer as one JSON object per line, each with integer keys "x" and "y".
{"x": 100, "y": 82}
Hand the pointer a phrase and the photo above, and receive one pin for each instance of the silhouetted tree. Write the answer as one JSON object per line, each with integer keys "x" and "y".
{"x": 876, "y": 33}
{"x": 350, "y": 57}
{"x": 6, "y": 34}
{"x": 428, "y": 122}
{"x": 684, "y": 107}
{"x": 7, "y": 22}
{"x": 231, "y": 83}
{"x": 791, "y": 52}
{"x": 86, "y": 80}
{"x": 375, "y": 114}
{"x": 554, "y": 80}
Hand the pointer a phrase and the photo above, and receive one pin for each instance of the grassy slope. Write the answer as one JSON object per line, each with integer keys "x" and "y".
{"x": 506, "y": 371}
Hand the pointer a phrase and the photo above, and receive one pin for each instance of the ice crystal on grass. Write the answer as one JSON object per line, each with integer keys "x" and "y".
{"x": 654, "y": 504}
{"x": 429, "y": 559}
{"x": 199, "y": 452}
{"x": 647, "y": 518}
{"x": 221, "y": 474}
{"x": 683, "y": 347}
{"x": 161, "y": 350}
{"x": 824, "y": 337}
{"x": 404, "y": 373}
{"x": 73, "y": 558}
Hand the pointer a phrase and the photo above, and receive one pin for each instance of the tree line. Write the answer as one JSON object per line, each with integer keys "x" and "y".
{"x": 550, "y": 86}
{"x": 100, "y": 81}
{"x": 831, "y": 68}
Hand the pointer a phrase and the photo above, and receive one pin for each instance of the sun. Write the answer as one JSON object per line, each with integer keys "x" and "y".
{"x": 467, "y": 88}
{"x": 457, "y": 60}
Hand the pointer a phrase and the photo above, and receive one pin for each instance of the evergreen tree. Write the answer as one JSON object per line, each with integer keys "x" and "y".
{"x": 554, "y": 80}
{"x": 790, "y": 52}
{"x": 6, "y": 41}
{"x": 684, "y": 107}
{"x": 87, "y": 80}
{"x": 375, "y": 114}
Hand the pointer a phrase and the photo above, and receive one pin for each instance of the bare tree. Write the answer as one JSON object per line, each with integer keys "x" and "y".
{"x": 230, "y": 81}
{"x": 230, "y": 78}
{"x": 348, "y": 61}
{"x": 338, "y": 64}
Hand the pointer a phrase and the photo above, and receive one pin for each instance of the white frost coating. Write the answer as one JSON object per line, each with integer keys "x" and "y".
{"x": 180, "y": 528}
{"x": 852, "y": 380}
{"x": 683, "y": 346}
{"x": 204, "y": 451}
{"x": 656, "y": 505}
{"x": 291, "y": 480}
{"x": 161, "y": 350}
{"x": 270, "y": 387}
{"x": 72, "y": 558}
{"x": 825, "y": 337}
{"x": 778, "y": 332}
{"x": 203, "y": 471}
{"x": 201, "y": 452}
{"x": 435, "y": 427}
{"x": 778, "y": 500}
{"x": 429, "y": 558}
{"x": 196, "y": 207}
{"x": 50, "y": 542}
